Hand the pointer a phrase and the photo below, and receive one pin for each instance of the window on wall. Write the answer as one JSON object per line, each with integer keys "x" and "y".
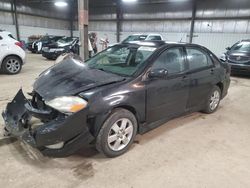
{"x": 171, "y": 60}
{"x": 198, "y": 59}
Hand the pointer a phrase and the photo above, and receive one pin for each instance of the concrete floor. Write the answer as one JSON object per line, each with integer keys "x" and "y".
{"x": 194, "y": 151}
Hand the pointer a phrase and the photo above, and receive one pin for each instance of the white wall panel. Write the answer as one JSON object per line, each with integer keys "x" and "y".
{"x": 241, "y": 26}
{"x": 26, "y": 31}
{"x": 217, "y": 42}
{"x": 10, "y": 28}
{"x": 6, "y": 18}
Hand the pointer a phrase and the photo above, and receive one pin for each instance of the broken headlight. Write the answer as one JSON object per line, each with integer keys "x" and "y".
{"x": 67, "y": 104}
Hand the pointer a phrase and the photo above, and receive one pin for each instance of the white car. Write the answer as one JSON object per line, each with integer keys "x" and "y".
{"x": 12, "y": 56}
{"x": 141, "y": 37}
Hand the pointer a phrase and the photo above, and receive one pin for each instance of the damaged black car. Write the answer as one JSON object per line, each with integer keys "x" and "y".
{"x": 127, "y": 89}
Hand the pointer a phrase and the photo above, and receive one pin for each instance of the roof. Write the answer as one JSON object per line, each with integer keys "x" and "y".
{"x": 152, "y": 43}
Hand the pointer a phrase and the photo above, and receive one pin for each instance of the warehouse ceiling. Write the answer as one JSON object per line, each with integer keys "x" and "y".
{"x": 104, "y": 3}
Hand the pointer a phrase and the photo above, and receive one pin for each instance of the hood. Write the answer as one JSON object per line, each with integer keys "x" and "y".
{"x": 70, "y": 77}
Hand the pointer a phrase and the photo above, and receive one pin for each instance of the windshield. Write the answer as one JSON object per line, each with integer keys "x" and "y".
{"x": 135, "y": 38}
{"x": 241, "y": 46}
{"x": 120, "y": 59}
{"x": 65, "y": 40}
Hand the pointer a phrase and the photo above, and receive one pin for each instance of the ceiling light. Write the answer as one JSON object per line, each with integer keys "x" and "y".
{"x": 129, "y": 1}
{"x": 61, "y": 4}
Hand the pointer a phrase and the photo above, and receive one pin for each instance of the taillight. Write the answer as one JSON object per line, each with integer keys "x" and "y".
{"x": 18, "y": 44}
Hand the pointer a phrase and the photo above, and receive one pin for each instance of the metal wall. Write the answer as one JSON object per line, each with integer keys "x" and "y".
{"x": 33, "y": 20}
{"x": 218, "y": 24}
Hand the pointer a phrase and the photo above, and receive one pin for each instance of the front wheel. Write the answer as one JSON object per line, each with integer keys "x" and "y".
{"x": 117, "y": 133}
{"x": 213, "y": 100}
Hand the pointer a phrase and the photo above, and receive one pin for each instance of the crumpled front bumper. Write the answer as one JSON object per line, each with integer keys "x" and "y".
{"x": 72, "y": 130}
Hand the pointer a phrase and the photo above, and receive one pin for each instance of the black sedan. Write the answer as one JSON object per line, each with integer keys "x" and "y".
{"x": 64, "y": 45}
{"x": 127, "y": 89}
{"x": 238, "y": 56}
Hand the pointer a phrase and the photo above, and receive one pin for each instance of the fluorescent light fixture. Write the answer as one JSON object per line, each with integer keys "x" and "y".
{"x": 129, "y": 1}
{"x": 61, "y": 4}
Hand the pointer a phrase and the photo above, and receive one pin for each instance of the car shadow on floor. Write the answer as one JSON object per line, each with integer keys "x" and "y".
{"x": 26, "y": 154}
{"x": 238, "y": 75}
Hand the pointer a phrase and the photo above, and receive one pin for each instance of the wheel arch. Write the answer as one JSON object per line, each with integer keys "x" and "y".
{"x": 9, "y": 55}
{"x": 221, "y": 86}
{"x": 100, "y": 119}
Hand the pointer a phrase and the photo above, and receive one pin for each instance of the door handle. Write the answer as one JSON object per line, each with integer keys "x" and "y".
{"x": 185, "y": 77}
{"x": 212, "y": 71}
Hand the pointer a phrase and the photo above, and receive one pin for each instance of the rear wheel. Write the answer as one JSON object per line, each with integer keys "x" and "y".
{"x": 213, "y": 100}
{"x": 12, "y": 65}
{"x": 117, "y": 133}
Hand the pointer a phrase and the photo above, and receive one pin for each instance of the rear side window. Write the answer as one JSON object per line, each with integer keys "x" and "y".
{"x": 197, "y": 58}
{"x": 171, "y": 60}
{"x": 154, "y": 38}
{"x": 11, "y": 36}
{"x": 1, "y": 37}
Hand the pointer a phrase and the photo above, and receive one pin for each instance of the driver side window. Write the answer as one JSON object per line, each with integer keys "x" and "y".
{"x": 172, "y": 60}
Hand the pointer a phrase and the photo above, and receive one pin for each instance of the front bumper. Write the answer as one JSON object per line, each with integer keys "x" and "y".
{"x": 52, "y": 55}
{"x": 240, "y": 68}
{"x": 72, "y": 130}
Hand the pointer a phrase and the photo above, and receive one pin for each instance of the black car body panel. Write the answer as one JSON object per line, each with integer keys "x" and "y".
{"x": 152, "y": 101}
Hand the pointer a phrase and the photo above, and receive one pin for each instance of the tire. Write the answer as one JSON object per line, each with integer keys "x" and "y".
{"x": 12, "y": 65}
{"x": 113, "y": 130}
{"x": 213, "y": 100}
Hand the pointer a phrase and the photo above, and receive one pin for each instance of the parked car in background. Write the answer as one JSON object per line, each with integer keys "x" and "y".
{"x": 12, "y": 56}
{"x": 63, "y": 45}
{"x": 122, "y": 91}
{"x": 141, "y": 37}
{"x": 238, "y": 56}
{"x": 36, "y": 46}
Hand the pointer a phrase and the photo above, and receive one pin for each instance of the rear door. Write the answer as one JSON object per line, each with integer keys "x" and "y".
{"x": 3, "y": 46}
{"x": 201, "y": 73}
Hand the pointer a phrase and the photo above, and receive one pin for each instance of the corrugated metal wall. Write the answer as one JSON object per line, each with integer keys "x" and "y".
{"x": 218, "y": 23}
{"x": 34, "y": 25}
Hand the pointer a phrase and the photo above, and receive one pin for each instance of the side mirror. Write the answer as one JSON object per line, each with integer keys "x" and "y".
{"x": 158, "y": 73}
{"x": 228, "y": 48}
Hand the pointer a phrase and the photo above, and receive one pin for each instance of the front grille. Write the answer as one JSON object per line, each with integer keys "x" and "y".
{"x": 239, "y": 59}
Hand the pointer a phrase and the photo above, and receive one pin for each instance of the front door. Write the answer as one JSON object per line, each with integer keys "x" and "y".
{"x": 168, "y": 97}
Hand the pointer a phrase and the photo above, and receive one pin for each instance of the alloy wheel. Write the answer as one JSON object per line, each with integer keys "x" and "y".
{"x": 120, "y": 134}
{"x": 214, "y": 100}
{"x": 13, "y": 66}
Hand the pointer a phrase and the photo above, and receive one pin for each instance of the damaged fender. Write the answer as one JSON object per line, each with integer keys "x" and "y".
{"x": 72, "y": 130}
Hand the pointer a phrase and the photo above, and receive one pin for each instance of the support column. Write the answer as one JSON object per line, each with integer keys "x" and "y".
{"x": 191, "y": 34}
{"x": 71, "y": 18}
{"x": 83, "y": 19}
{"x": 119, "y": 17}
{"x": 16, "y": 20}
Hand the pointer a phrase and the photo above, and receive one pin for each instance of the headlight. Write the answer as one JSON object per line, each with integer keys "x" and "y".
{"x": 67, "y": 104}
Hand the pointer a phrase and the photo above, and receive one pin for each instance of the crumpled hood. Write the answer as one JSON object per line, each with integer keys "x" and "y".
{"x": 70, "y": 77}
